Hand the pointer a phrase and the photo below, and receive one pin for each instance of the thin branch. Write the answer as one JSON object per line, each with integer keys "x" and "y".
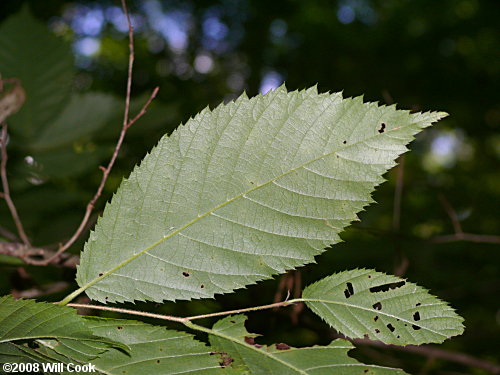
{"x": 401, "y": 260}
{"x": 398, "y": 193}
{"x": 40, "y": 291}
{"x": 7, "y": 233}
{"x": 432, "y": 352}
{"x": 6, "y": 190}
{"x": 452, "y": 214}
{"x": 37, "y": 256}
{"x": 467, "y": 237}
{"x": 459, "y": 234}
{"x": 144, "y": 107}
{"x": 131, "y": 57}
{"x": 126, "y": 125}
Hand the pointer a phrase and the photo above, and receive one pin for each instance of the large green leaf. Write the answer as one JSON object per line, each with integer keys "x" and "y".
{"x": 153, "y": 350}
{"x": 43, "y": 63}
{"x": 240, "y": 193}
{"x": 370, "y": 304}
{"x": 231, "y": 337}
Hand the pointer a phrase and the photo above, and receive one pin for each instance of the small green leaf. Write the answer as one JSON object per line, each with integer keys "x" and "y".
{"x": 230, "y": 336}
{"x": 238, "y": 194}
{"x": 370, "y": 304}
{"x": 27, "y": 319}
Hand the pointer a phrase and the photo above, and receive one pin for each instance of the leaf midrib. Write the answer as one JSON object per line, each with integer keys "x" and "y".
{"x": 221, "y": 205}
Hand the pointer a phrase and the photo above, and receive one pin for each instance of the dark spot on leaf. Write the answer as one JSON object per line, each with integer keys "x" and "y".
{"x": 399, "y": 336}
{"x": 185, "y": 274}
{"x": 377, "y": 306}
{"x": 416, "y": 328}
{"x": 366, "y": 336}
{"x": 100, "y": 274}
{"x": 349, "y": 291}
{"x": 161, "y": 349}
{"x": 226, "y": 360}
{"x": 282, "y": 346}
{"x": 212, "y": 353}
{"x": 251, "y": 182}
{"x": 106, "y": 297}
{"x": 369, "y": 276}
{"x": 418, "y": 304}
{"x": 119, "y": 327}
{"x": 406, "y": 325}
{"x": 382, "y": 128}
{"x": 157, "y": 361}
{"x": 391, "y": 327}
{"x": 344, "y": 142}
{"x": 376, "y": 318}
{"x": 387, "y": 287}
{"x": 377, "y": 330}
{"x": 416, "y": 316}
{"x": 202, "y": 286}
{"x": 366, "y": 371}
{"x": 232, "y": 321}
{"x": 251, "y": 341}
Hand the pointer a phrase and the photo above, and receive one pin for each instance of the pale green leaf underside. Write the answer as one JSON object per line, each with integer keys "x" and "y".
{"x": 229, "y": 337}
{"x": 251, "y": 189}
{"x": 370, "y": 304}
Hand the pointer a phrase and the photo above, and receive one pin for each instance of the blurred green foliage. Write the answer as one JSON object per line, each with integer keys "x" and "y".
{"x": 441, "y": 55}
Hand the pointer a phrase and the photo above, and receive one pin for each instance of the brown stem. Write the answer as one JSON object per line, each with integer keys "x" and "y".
{"x": 126, "y": 125}
{"x": 6, "y": 190}
{"x": 40, "y": 291}
{"x": 7, "y": 233}
{"x": 37, "y": 256}
{"x": 398, "y": 193}
{"x": 401, "y": 261}
{"x": 452, "y": 214}
{"x": 468, "y": 237}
